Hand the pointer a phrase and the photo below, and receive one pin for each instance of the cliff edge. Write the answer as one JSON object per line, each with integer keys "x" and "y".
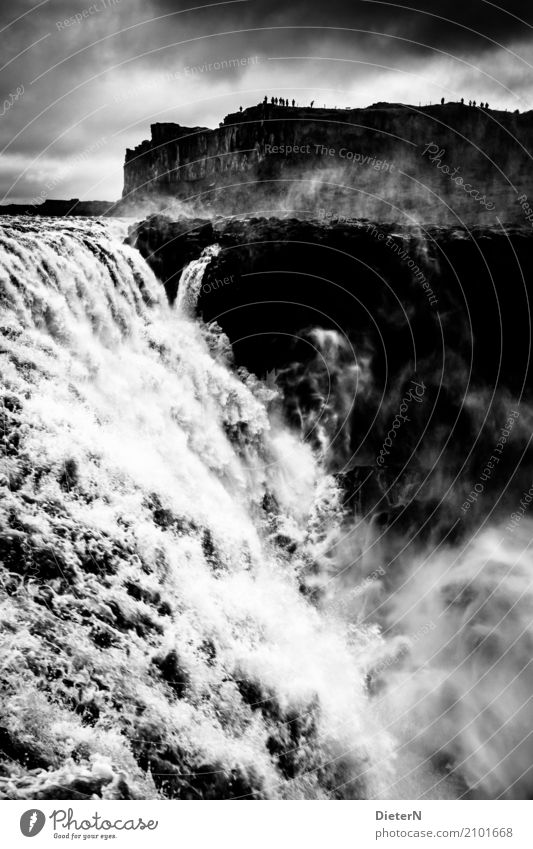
{"x": 452, "y": 163}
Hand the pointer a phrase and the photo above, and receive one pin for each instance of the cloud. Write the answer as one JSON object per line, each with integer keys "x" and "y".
{"x": 122, "y": 64}
{"x": 440, "y": 24}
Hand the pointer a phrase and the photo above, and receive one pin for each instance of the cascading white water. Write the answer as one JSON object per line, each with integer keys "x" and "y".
{"x": 191, "y": 282}
{"x": 335, "y": 379}
{"x": 185, "y": 610}
{"x": 455, "y": 681}
{"x": 156, "y": 530}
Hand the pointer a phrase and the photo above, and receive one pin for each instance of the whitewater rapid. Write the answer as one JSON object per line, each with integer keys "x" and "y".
{"x": 157, "y": 531}
{"x": 187, "y": 609}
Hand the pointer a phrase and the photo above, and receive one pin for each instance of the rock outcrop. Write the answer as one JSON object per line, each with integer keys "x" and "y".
{"x": 451, "y": 163}
{"x": 304, "y": 300}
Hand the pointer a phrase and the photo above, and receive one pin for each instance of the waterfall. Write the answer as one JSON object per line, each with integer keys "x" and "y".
{"x": 159, "y": 635}
{"x": 191, "y": 281}
{"x": 187, "y": 609}
{"x": 321, "y": 395}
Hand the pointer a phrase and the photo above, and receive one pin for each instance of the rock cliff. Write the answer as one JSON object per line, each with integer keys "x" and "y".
{"x": 445, "y": 163}
{"x": 302, "y": 299}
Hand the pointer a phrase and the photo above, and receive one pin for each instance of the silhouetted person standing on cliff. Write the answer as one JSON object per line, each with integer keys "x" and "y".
{"x": 312, "y": 103}
{"x": 293, "y": 102}
{"x": 272, "y": 101}
{"x": 265, "y": 100}
{"x": 462, "y": 101}
{"x": 442, "y": 101}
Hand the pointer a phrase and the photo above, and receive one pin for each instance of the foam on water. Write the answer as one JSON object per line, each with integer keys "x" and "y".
{"x": 157, "y": 530}
{"x": 186, "y": 610}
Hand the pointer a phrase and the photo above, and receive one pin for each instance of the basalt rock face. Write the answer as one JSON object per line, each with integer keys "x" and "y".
{"x": 451, "y": 163}
{"x": 370, "y": 278}
{"x": 306, "y": 299}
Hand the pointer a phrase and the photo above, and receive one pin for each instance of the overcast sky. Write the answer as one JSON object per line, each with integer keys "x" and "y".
{"x": 76, "y": 94}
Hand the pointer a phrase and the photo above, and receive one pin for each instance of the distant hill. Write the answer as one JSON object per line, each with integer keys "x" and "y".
{"x": 54, "y": 208}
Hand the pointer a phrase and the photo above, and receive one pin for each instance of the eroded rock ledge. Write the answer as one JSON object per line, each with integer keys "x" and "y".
{"x": 371, "y": 162}
{"x": 279, "y": 285}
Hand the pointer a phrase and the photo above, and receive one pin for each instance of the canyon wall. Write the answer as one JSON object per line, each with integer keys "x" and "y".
{"x": 302, "y": 301}
{"x": 447, "y": 163}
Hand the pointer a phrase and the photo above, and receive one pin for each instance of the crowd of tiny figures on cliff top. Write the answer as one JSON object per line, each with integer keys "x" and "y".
{"x": 284, "y": 101}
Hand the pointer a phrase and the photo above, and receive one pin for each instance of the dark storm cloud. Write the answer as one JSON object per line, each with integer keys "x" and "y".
{"x": 122, "y": 64}
{"x": 446, "y": 24}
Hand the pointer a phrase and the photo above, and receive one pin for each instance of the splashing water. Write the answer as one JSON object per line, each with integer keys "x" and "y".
{"x": 155, "y": 533}
{"x": 453, "y": 680}
{"x": 463, "y": 689}
{"x": 191, "y": 281}
{"x": 321, "y": 394}
{"x": 186, "y": 610}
